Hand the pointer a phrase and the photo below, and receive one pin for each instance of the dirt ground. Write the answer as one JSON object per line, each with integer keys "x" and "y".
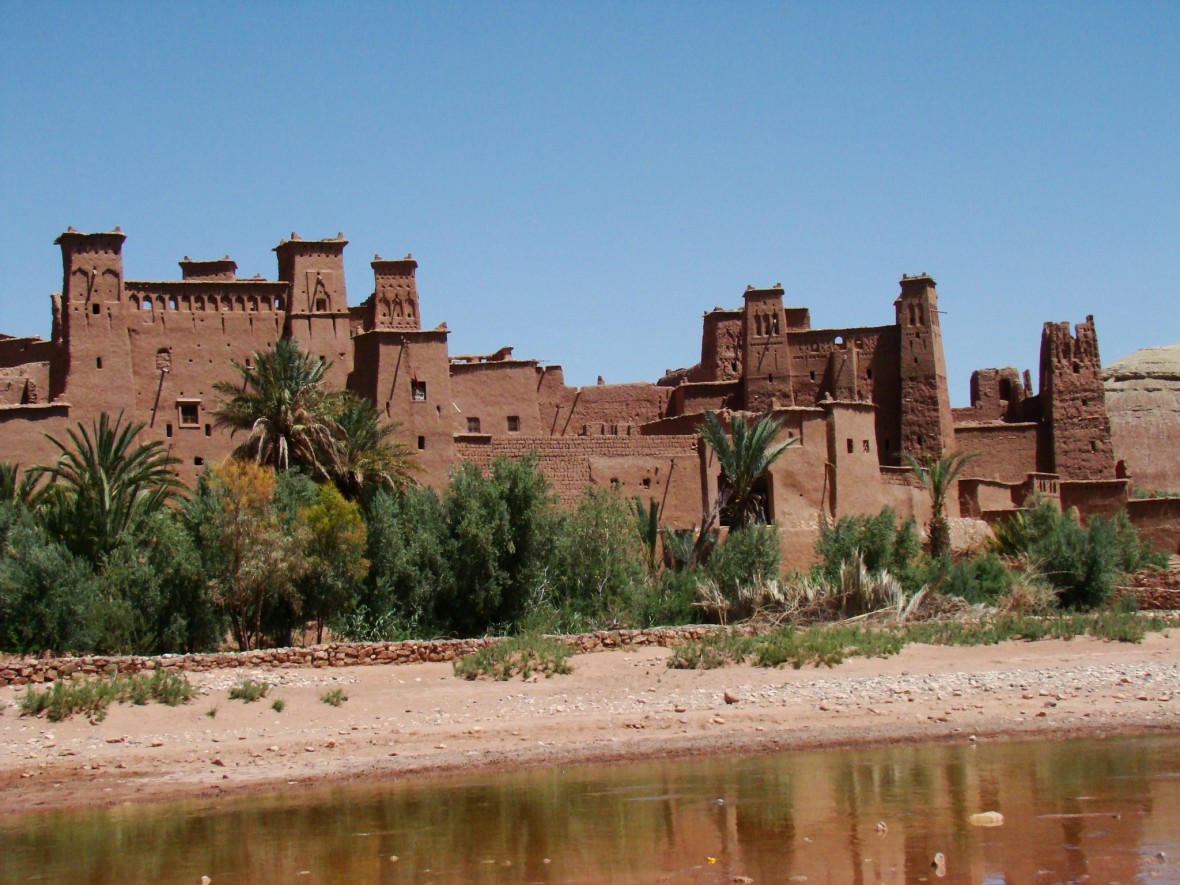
{"x": 421, "y": 720}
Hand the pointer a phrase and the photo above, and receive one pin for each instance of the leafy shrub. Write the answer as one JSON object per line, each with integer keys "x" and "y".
{"x": 248, "y": 690}
{"x": 830, "y": 645}
{"x": 749, "y": 557}
{"x": 93, "y": 696}
{"x": 334, "y": 697}
{"x": 882, "y": 543}
{"x": 664, "y": 600}
{"x": 278, "y": 705}
{"x": 983, "y": 579}
{"x": 599, "y": 557}
{"x": 519, "y": 656}
{"x": 1082, "y": 563}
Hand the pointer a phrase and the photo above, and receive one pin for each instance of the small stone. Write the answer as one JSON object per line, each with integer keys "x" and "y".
{"x": 731, "y": 698}
{"x": 219, "y": 763}
{"x": 330, "y": 744}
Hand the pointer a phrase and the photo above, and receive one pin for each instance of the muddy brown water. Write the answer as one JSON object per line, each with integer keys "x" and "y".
{"x": 1074, "y": 811}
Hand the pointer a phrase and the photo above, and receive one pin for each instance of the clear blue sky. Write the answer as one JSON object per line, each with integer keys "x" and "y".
{"x": 583, "y": 181}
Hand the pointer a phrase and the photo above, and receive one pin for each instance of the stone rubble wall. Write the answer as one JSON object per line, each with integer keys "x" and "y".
{"x": 23, "y": 670}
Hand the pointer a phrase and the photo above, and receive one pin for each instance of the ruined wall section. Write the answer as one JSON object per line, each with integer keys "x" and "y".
{"x": 574, "y": 411}
{"x": 1076, "y": 441}
{"x": 867, "y": 361}
{"x": 664, "y": 468}
{"x": 927, "y": 427}
{"x": 1003, "y": 452}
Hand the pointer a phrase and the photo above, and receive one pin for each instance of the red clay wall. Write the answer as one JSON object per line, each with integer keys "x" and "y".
{"x": 492, "y": 392}
{"x": 1099, "y": 497}
{"x": 1158, "y": 522}
{"x": 1004, "y": 452}
{"x": 566, "y": 411}
{"x": 669, "y": 465}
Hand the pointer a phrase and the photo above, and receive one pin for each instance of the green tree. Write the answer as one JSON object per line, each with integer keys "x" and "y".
{"x": 336, "y": 557}
{"x": 937, "y": 475}
{"x": 17, "y": 488}
{"x": 103, "y": 486}
{"x": 501, "y": 525}
{"x": 745, "y": 454}
{"x": 252, "y": 552}
{"x": 599, "y": 559}
{"x": 411, "y": 569}
{"x": 367, "y": 457}
{"x": 282, "y": 405}
{"x": 47, "y": 594}
{"x": 880, "y": 542}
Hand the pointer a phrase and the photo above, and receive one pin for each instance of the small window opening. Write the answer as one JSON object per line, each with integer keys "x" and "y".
{"x": 190, "y": 414}
{"x": 865, "y": 446}
{"x": 887, "y": 444}
{"x": 646, "y": 483}
{"x": 920, "y": 440}
{"x": 473, "y": 425}
{"x": 813, "y": 376}
{"x": 208, "y": 430}
{"x": 198, "y": 461}
{"x": 98, "y": 363}
{"x": 421, "y": 443}
{"x": 1093, "y": 445}
{"x": 249, "y": 362}
{"x": 321, "y": 304}
{"x": 614, "y": 483}
{"x": 869, "y": 374}
{"x": 1077, "y": 368}
{"x": 418, "y": 391}
{"x": 168, "y": 430}
{"x": 839, "y": 340}
{"x": 770, "y": 378}
{"x": 94, "y": 309}
{"x": 513, "y": 424}
{"x": 850, "y": 447}
{"x": 172, "y": 303}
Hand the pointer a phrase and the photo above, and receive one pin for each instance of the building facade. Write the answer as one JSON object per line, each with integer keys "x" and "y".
{"x": 854, "y": 399}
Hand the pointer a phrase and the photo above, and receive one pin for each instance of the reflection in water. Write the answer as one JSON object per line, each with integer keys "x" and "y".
{"x": 1097, "y": 811}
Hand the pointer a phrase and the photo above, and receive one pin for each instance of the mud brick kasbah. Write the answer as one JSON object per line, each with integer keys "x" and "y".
{"x": 854, "y": 398}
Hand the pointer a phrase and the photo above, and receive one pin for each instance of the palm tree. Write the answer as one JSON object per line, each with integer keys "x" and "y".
{"x": 366, "y": 456}
{"x": 15, "y": 488}
{"x": 282, "y": 406}
{"x": 104, "y": 487}
{"x": 937, "y": 476}
{"x": 744, "y": 455}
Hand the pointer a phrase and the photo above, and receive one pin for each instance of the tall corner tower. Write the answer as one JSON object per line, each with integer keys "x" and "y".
{"x": 97, "y": 366}
{"x": 766, "y": 360}
{"x": 927, "y": 426}
{"x": 317, "y": 310}
{"x": 1076, "y": 430}
{"x": 395, "y": 295}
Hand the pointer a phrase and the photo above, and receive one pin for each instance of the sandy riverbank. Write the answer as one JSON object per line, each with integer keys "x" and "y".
{"x": 421, "y": 720}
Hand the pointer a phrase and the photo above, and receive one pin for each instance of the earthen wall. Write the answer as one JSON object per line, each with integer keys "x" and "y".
{"x": 1003, "y": 452}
